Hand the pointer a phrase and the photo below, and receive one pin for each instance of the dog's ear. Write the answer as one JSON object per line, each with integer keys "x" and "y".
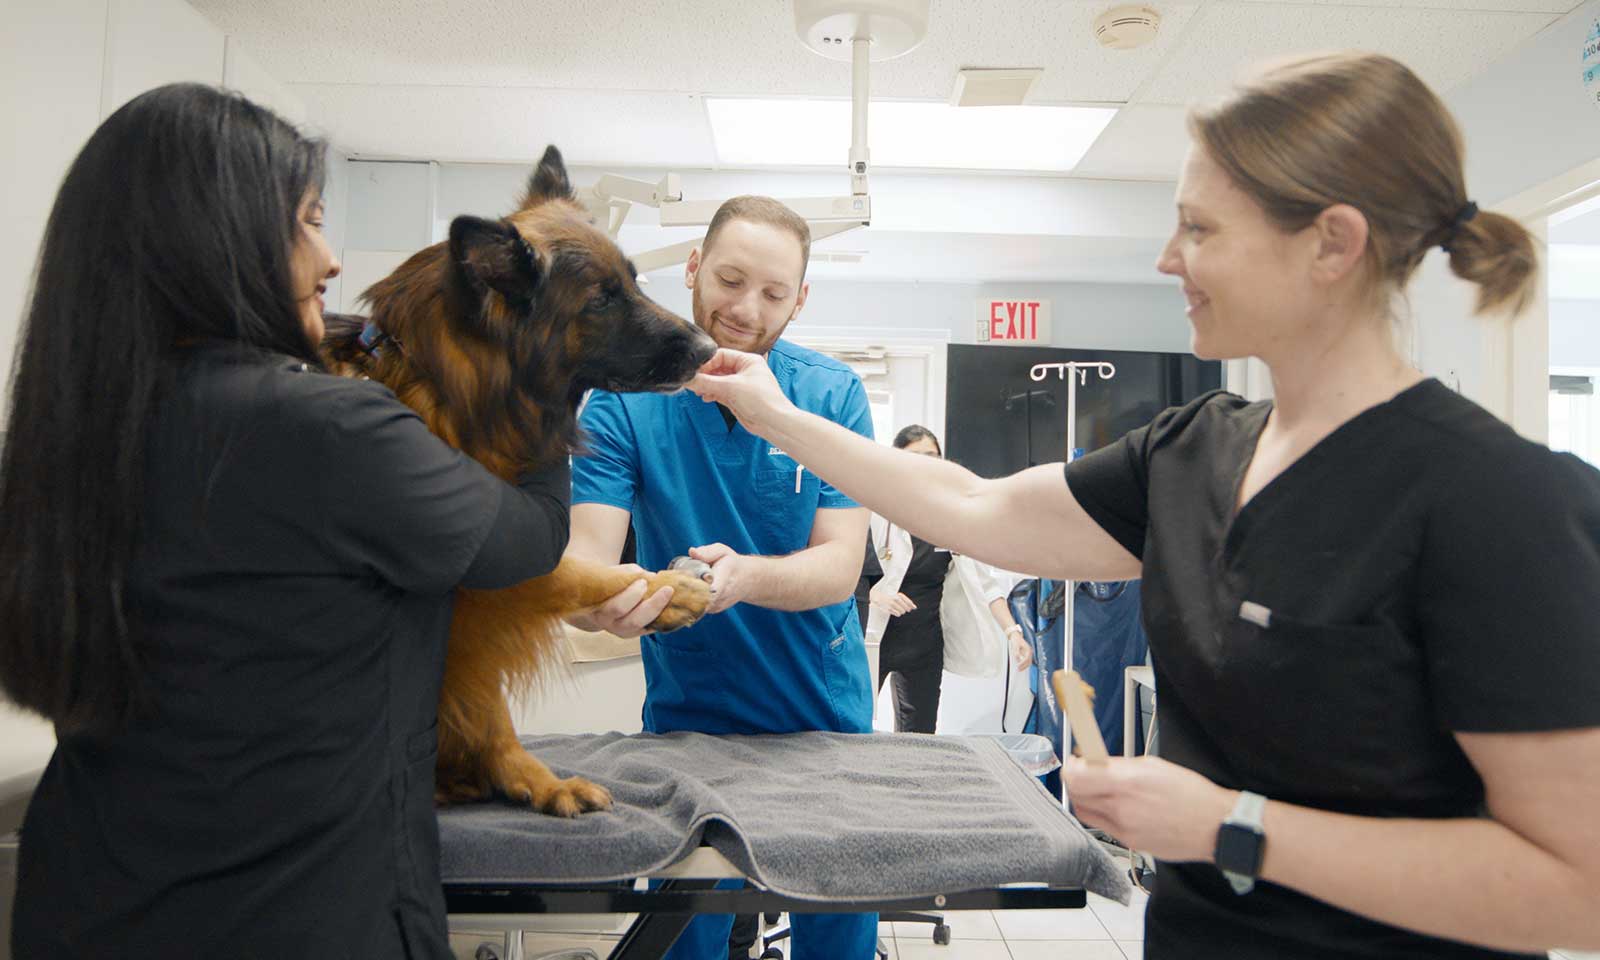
{"x": 492, "y": 255}
{"x": 549, "y": 180}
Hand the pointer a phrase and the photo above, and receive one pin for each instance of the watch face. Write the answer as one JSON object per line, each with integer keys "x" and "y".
{"x": 1239, "y": 849}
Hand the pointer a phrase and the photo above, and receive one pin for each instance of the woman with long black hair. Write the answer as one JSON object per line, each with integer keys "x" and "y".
{"x": 225, "y": 576}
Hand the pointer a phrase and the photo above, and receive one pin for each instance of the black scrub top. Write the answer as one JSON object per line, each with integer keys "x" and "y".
{"x": 911, "y": 639}
{"x": 302, "y": 539}
{"x": 1422, "y": 571}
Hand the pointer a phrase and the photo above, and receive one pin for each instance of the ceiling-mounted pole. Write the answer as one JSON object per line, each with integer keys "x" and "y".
{"x": 861, "y": 47}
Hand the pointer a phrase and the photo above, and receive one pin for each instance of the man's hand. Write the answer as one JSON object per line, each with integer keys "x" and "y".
{"x": 730, "y": 574}
{"x": 629, "y": 614}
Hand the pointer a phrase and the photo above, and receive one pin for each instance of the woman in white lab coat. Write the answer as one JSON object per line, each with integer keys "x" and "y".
{"x": 901, "y": 595}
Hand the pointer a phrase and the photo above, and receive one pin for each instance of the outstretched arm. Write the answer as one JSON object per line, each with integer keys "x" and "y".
{"x": 1028, "y": 522}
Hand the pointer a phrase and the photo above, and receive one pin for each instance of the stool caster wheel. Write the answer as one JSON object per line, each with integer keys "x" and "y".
{"x": 772, "y": 953}
{"x": 941, "y": 934}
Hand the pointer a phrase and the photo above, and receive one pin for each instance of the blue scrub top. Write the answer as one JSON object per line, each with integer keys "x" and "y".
{"x": 689, "y": 479}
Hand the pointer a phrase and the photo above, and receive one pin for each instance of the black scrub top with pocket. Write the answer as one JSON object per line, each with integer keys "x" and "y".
{"x": 301, "y": 545}
{"x": 1422, "y": 571}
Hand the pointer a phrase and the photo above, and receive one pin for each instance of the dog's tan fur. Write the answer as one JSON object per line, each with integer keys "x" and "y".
{"x": 495, "y": 370}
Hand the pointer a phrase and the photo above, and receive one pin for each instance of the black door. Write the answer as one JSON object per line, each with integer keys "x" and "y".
{"x": 999, "y": 420}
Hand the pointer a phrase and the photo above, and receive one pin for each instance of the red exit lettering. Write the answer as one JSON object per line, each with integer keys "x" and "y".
{"x": 1013, "y": 320}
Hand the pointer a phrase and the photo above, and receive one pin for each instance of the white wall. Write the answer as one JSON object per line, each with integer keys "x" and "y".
{"x": 901, "y": 202}
{"x": 1528, "y": 117}
{"x": 67, "y": 65}
{"x": 397, "y": 208}
{"x": 54, "y": 55}
{"x": 1528, "y": 121}
{"x": 1105, "y": 316}
{"x": 1575, "y": 333}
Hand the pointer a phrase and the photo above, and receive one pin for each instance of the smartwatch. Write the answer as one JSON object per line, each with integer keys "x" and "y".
{"x": 1241, "y": 842}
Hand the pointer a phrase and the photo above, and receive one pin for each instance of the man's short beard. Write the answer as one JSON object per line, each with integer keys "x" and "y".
{"x": 702, "y": 317}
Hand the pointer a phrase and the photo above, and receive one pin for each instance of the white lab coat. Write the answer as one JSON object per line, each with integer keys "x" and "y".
{"x": 974, "y": 644}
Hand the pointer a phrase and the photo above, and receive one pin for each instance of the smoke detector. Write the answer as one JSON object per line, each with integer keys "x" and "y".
{"x": 1123, "y": 28}
{"x": 894, "y": 27}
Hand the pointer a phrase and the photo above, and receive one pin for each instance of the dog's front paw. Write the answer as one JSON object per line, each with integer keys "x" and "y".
{"x": 521, "y": 778}
{"x": 691, "y": 593}
{"x": 570, "y": 797}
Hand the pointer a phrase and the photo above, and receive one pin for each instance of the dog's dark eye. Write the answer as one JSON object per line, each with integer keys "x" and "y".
{"x": 601, "y": 300}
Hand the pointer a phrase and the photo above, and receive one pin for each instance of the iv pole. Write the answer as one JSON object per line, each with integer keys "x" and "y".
{"x": 1080, "y": 372}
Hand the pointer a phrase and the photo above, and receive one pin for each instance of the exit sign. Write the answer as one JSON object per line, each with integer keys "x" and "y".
{"x": 1014, "y": 321}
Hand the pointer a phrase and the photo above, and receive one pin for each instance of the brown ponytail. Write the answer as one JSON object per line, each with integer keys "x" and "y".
{"x": 1497, "y": 254}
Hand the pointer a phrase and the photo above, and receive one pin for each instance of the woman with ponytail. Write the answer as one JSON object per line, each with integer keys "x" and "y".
{"x": 1369, "y": 602}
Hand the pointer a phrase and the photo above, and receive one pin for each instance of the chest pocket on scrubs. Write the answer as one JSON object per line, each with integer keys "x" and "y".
{"x": 788, "y": 500}
{"x": 1330, "y": 709}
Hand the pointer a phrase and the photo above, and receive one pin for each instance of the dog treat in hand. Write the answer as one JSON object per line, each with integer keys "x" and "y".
{"x": 1070, "y": 695}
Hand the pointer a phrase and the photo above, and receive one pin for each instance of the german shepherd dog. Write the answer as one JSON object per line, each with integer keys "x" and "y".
{"x": 492, "y": 338}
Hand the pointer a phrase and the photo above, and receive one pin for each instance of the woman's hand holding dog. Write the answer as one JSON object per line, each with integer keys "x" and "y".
{"x": 630, "y": 613}
{"x": 742, "y": 383}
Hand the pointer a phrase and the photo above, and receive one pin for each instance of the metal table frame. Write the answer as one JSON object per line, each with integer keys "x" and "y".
{"x": 687, "y": 889}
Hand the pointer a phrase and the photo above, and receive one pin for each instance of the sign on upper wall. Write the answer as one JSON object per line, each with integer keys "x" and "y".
{"x": 1591, "y": 61}
{"x": 1014, "y": 321}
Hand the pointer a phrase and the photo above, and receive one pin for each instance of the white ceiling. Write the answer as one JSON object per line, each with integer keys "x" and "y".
{"x": 620, "y": 83}
{"x": 612, "y": 81}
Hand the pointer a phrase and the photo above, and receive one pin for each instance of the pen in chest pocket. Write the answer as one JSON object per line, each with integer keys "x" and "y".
{"x": 797, "y": 472}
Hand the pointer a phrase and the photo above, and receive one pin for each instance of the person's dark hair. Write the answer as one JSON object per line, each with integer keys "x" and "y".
{"x": 174, "y": 225}
{"x": 765, "y": 210}
{"x": 909, "y": 435}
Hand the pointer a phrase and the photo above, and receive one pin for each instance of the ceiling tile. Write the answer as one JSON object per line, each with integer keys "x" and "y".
{"x": 1509, "y": 6}
{"x": 510, "y": 124}
{"x": 665, "y": 45}
{"x": 1145, "y": 141}
{"x": 1444, "y": 47}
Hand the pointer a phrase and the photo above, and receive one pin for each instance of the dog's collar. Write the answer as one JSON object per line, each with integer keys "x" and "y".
{"x": 373, "y": 338}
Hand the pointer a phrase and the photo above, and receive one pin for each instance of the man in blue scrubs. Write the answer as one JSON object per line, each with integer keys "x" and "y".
{"x": 783, "y": 651}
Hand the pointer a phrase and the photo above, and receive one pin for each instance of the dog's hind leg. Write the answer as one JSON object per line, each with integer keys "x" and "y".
{"x": 518, "y": 775}
{"x": 478, "y": 748}
{"x": 500, "y": 640}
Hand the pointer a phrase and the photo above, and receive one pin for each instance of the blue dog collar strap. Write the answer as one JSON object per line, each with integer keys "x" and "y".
{"x": 371, "y": 338}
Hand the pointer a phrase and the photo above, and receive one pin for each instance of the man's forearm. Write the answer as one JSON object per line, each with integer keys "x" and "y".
{"x": 814, "y": 577}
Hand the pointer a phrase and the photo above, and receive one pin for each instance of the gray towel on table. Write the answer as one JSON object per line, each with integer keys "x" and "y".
{"x": 817, "y": 816}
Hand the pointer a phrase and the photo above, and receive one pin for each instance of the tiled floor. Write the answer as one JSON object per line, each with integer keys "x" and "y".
{"x": 1106, "y": 930}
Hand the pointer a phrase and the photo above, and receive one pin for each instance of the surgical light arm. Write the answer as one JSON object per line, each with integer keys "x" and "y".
{"x": 610, "y": 199}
